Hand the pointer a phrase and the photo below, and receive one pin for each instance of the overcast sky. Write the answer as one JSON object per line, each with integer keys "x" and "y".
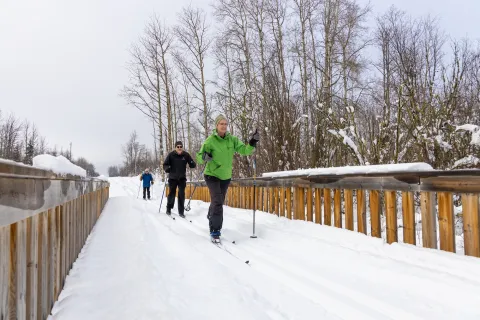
{"x": 62, "y": 64}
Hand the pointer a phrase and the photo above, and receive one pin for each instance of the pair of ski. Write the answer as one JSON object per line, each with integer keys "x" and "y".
{"x": 218, "y": 243}
{"x": 183, "y": 217}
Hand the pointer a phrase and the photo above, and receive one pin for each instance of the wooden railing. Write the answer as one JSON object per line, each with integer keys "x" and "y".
{"x": 44, "y": 222}
{"x": 374, "y": 204}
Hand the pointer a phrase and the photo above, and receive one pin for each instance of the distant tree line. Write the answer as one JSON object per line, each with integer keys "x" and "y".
{"x": 324, "y": 88}
{"x": 136, "y": 158}
{"x": 21, "y": 141}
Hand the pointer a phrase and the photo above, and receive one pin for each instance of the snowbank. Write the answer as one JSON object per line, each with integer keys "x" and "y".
{"x": 59, "y": 165}
{"x": 380, "y": 168}
{"x": 102, "y": 177}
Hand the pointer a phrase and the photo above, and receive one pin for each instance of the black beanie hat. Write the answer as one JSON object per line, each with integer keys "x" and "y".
{"x": 178, "y": 143}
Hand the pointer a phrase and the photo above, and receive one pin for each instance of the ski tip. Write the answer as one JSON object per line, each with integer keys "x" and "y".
{"x": 247, "y": 262}
{"x": 233, "y": 241}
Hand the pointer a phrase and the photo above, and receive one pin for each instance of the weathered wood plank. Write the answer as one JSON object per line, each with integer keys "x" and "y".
{"x": 471, "y": 227}
{"x": 32, "y": 267}
{"x": 51, "y": 257}
{"x": 429, "y": 226}
{"x": 375, "y": 212}
{"x": 446, "y": 221}
{"x": 337, "y": 205}
{"x": 58, "y": 252}
{"x": 4, "y": 270}
{"x": 265, "y": 199}
{"x": 299, "y": 204}
{"x": 327, "y": 207}
{"x": 318, "y": 206}
{"x": 42, "y": 292}
{"x": 277, "y": 201}
{"x": 408, "y": 210}
{"x": 391, "y": 211}
{"x": 271, "y": 201}
{"x": 289, "y": 203}
{"x": 21, "y": 269}
{"x": 361, "y": 212}
{"x": 309, "y": 204}
{"x": 12, "y": 272}
{"x": 282, "y": 203}
{"x": 348, "y": 194}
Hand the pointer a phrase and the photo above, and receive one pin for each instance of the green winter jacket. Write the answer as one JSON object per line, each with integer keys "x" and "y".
{"x": 222, "y": 151}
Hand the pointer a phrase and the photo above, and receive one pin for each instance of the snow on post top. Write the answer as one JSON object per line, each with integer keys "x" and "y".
{"x": 59, "y": 165}
{"x": 380, "y": 168}
{"x": 11, "y": 162}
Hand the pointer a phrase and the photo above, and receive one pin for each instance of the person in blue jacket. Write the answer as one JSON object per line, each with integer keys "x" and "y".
{"x": 147, "y": 180}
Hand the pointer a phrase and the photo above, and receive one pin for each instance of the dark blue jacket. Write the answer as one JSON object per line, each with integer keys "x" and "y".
{"x": 147, "y": 179}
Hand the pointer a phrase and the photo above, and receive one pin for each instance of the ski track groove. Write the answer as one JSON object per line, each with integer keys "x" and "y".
{"x": 335, "y": 306}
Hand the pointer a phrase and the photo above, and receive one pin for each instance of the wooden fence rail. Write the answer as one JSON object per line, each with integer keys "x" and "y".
{"x": 44, "y": 222}
{"x": 380, "y": 205}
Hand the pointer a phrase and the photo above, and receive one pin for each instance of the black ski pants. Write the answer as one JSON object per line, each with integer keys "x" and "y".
{"x": 172, "y": 185}
{"x": 146, "y": 189}
{"x": 218, "y": 190}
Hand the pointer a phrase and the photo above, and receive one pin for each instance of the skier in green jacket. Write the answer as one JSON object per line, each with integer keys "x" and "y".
{"x": 218, "y": 151}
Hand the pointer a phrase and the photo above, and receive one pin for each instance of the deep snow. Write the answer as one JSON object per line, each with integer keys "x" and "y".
{"x": 140, "y": 264}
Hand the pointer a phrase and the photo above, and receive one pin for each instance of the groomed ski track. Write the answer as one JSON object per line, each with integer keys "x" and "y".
{"x": 140, "y": 264}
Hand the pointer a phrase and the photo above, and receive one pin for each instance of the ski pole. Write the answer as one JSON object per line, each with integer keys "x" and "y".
{"x": 254, "y": 190}
{"x": 163, "y": 192}
{"x": 187, "y": 207}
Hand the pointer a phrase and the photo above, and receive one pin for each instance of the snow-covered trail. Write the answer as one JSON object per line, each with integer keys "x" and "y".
{"x": 141, "y": 264}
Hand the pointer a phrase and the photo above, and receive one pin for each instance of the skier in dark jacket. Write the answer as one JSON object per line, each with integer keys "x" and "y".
{"x": 175, "y": 165}
{"x": 147, "y": 180}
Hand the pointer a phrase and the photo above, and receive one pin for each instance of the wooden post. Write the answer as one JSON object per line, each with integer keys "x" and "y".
{"x": 391, "y": 209}
{"x": 337, "y": 205}
{"x": 289, "y": 202}
{"x": 429, "y": 227}
{"x": 309, "y": 204}
{"x": 446, "y": 221}
{"x": 348, "y": 194}
{"x": 408, "y": 211}
{"x": 361, "y": 212}
{"x": 471, "y": 220}
{"x": 327, "y": 207}
{"x": 375, "y": 211}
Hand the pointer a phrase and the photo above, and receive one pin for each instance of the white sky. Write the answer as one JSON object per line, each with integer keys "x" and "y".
{"x": 62, "y": 64}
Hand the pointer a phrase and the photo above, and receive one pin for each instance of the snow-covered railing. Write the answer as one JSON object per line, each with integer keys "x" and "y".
{"x": 432, "y": 208}
{"x": 45, "y": 218}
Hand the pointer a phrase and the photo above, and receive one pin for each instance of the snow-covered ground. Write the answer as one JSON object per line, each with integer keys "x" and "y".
{"x": 141, "y": 264}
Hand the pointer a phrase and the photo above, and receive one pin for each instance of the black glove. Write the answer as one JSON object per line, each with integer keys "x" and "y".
{"x": 167, "y": 169}
{"x": 207, "y": 157}
{"x": 254, "y": 138}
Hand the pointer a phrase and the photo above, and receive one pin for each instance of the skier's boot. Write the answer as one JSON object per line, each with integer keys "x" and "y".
{"x": 215, "y": 235}
{"x": 169, "y": 212}
{"x": 181, "y": 215}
